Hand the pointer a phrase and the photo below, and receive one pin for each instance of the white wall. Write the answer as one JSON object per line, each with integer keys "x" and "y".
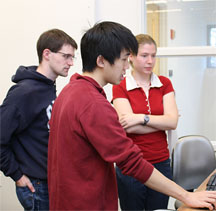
{"x": 23, "y": 21}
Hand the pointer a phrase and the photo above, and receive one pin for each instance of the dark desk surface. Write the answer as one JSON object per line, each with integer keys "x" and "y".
{"x": 201, "y": 187}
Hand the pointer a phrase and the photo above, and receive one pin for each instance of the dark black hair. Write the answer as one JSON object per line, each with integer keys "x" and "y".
{"x": 53, "y": 40}
{"x": 107, "y": 39}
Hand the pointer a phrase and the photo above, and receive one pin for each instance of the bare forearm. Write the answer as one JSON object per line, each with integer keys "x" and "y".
{"x": 163, "y": 122}
{"x": 160, "y": 183}
{"x": 140, "y": 129}
{"x": 158, "y": 122}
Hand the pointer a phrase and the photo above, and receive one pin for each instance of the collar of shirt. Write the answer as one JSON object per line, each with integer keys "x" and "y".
{"x": 131, "y": 83}
{"x": 77, "y": 76}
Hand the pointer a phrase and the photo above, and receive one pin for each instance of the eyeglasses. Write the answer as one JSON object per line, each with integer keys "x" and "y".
{"x": 67, "y": 56}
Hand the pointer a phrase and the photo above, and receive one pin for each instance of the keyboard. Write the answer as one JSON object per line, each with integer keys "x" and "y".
{"x": 211, "y": 185}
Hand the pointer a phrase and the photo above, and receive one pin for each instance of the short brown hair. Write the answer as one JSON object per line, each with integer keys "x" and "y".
{"x": 53, "y": 40}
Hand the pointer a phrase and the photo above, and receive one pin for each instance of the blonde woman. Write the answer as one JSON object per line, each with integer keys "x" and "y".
{"x": 146, "y": 107}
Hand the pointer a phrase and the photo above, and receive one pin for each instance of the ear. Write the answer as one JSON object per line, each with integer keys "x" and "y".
{"x": 100, "y": 61}
{"x": 130, "y": 57}
{"x": 46, "y": 53}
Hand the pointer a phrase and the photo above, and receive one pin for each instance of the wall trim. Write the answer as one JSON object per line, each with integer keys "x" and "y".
{"x": 186, "y": 51}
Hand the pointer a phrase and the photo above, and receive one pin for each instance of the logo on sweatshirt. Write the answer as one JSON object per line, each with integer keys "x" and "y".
{"x": 48, "y": 111}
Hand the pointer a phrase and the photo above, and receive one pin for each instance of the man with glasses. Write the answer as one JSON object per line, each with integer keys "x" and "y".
{"x": 24, "y": 117}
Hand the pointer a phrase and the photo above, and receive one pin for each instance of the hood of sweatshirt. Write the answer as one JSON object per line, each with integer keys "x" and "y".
{"x": 29, "y": 73}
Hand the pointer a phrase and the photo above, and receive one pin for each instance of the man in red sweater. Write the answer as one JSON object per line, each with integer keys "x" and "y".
{"x": 86, "y": 138}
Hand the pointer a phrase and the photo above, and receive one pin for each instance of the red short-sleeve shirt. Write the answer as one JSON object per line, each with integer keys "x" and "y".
{"x": 153, "y": 145}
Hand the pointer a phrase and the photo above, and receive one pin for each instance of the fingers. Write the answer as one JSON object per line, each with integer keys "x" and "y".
{"x": 214, "y": 205}
{"x": 209, "y": 206}
{"x": 22, "y": 181}
{"x": 123, "y": 123}
{"x": 126, "y": 121}
{"x": 31, "y": 187}
{"x": 205, "y": 199}
{"x": 210, "y": 200}
{"x": 25, "y": 181}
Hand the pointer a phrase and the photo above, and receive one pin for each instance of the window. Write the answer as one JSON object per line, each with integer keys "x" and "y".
{"x": 211, "y": 36}
{"x": 185, "y": 32}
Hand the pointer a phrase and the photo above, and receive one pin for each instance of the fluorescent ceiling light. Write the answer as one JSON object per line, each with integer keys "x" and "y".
{"x": 157, "y": 2}
{"x": 193, "y": 0}
{"x": 160, "y": 11}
